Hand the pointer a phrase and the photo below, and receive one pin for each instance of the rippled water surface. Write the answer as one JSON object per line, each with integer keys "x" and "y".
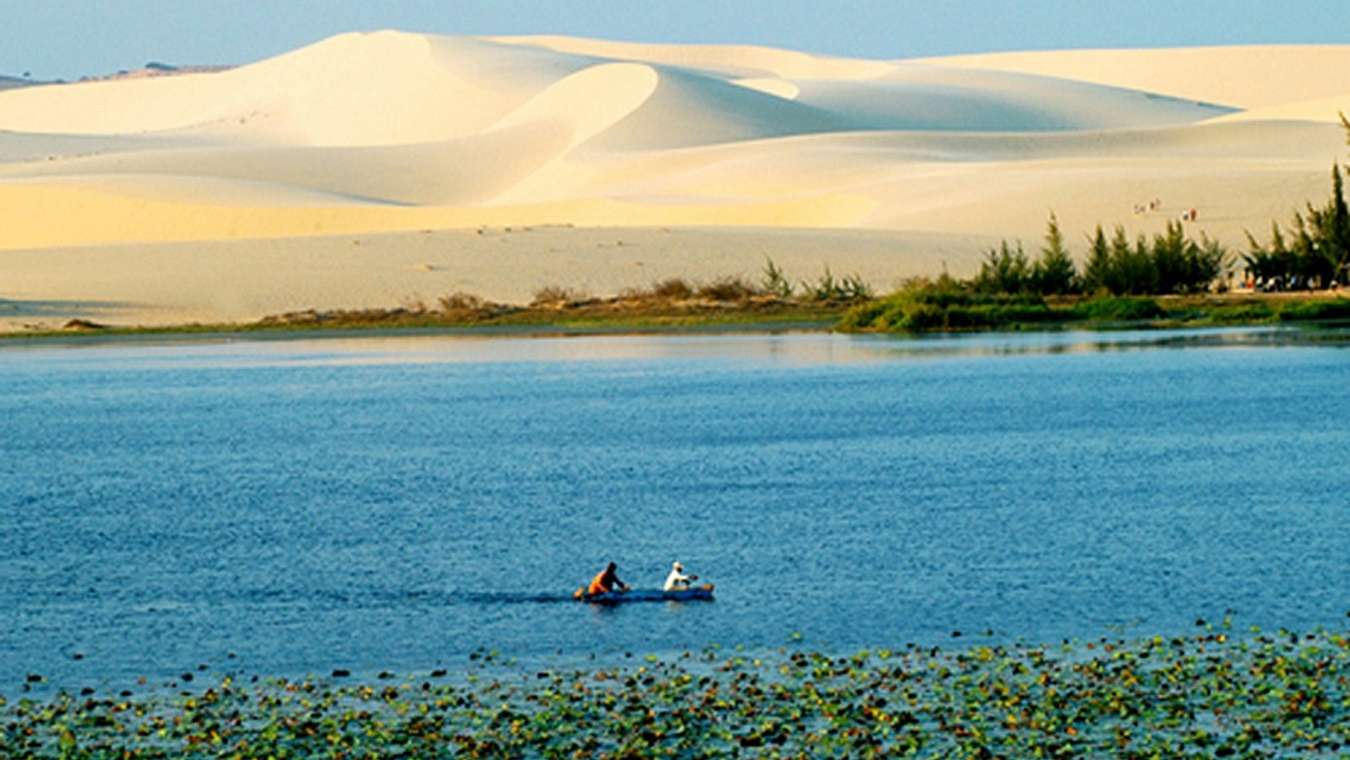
{"x": 398, "y": 502}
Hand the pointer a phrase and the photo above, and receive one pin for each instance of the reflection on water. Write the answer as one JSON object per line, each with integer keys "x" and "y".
{"x": 801, "y": 348}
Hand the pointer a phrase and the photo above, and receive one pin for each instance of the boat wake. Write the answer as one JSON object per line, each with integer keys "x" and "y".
{"x": 506, "y": 597}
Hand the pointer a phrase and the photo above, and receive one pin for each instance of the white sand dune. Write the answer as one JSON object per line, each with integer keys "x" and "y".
{"x": 461, "y": 171}
{"x": 385, "y": 88}
{"x": 730, "y": 60}
{"x": 1325, "y": 110}
{"x": 377, "y": 138}
{"x": 17, "y": 148}
{"x": 1248, "y": 76}
{"x": 919, "y": 97}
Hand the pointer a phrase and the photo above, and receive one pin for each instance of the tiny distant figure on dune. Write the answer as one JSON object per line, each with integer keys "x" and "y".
{"x": 1147, "y": 208}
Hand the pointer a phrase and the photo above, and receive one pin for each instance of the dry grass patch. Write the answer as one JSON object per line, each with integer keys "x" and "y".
{"x": 556, "y": 296}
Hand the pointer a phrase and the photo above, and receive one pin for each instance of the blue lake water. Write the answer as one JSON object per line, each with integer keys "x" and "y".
{"x": 398, "y": 502}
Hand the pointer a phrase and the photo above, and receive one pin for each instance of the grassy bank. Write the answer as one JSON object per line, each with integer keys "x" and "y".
{"x": 1213, "y": 694}
{"x": 917, "y": 308}
{"x": 600, "y": 316}
{"x": 928, "y": 307}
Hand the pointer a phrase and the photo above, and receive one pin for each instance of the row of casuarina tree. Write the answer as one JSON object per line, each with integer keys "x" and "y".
{"x": 1313, "y": 253}
{"x": 1170, "y": 262}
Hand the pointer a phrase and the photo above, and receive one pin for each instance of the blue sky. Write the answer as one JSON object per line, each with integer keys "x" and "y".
{"x": 69, "y": 38}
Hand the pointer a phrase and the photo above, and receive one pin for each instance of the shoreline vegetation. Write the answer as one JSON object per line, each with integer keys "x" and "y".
{"x": 1217, "y": 692}
{"x": 675, "y": 304}
{"x": 736, "y": 304}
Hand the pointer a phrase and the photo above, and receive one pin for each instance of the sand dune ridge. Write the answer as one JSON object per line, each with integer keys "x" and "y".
{"x": 388, "y": 135}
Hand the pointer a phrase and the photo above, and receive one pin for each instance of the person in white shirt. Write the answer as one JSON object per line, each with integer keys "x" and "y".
{"x": 677, "y": 580}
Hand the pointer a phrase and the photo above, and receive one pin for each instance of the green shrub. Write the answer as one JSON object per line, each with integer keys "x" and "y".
{"x": 1118, "y": 309}
{"x": 1240, "y": 312}
{"x": 831, "y": 289}
{"x": 1315, "y": 311}
{"x": 867, "y": 316}
{"x": 774, "y": 281}
{"x": 924, "y": 307}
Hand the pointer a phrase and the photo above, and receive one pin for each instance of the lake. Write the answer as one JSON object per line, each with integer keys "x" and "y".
{"x": 398, "y": 502}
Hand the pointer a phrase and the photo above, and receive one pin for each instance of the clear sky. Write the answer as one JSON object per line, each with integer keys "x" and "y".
{"x": 70, "y": 38}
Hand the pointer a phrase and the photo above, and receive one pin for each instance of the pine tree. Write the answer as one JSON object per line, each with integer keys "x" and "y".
{"x": 1341, "y": 265}
{"x": 1141, "y": 274}
{"x": 1319, "y": 251}
{"x": 1169, "y": 259}
{"x": 1339, "y": 223}
{"x": 1309, "y": 240}
{"x": 1206, "y": 262}
{"x": 1266, "y": 263}
{"x": 1054, "y": 273}
{"x": 1277, "y": 244}
{"x": 1004, "y": 270}
{"x": 1118, "y": 281}
{"x": 1097, "y": 272}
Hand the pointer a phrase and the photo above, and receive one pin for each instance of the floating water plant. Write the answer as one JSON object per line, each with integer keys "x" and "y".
{"x": 1217, "y": 693}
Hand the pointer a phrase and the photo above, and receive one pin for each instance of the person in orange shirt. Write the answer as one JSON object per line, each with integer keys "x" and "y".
{"x": 605, "y": 581}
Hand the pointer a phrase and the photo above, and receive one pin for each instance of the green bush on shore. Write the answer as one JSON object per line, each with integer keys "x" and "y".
{"x": 1118, "y": 309}
{"x": 1315, "y": 311}
{"x": 1319, "y": 310}
{"x": 923, "y": 306}
{"x": 952, "y": 306}
{"x": 1238, "y": 313}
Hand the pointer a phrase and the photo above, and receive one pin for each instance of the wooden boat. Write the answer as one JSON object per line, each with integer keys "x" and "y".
{"x": 702, "y": 593}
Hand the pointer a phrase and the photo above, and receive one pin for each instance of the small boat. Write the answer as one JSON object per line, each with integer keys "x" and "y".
{"x": 702, "y": 593}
